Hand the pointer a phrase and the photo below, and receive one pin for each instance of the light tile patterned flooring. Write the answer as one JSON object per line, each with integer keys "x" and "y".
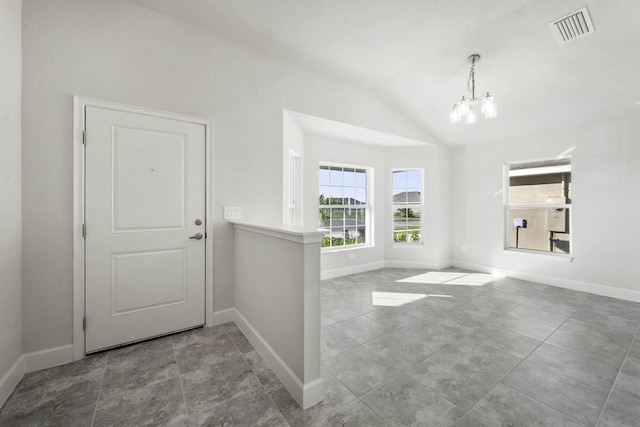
{"x": 399, "y": 347}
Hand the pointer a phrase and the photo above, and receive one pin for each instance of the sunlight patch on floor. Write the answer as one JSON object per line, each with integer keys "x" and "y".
{"x": 476, "y": 279}
{"x": 450, "y": 278}
{"x": 394, "y": 299}
{"x": 432, "y": 277}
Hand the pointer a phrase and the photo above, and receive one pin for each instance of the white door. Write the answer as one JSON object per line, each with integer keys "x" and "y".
{"x": 144, "y": 217}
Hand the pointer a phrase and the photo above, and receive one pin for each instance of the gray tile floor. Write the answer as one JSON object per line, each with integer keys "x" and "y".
{"x": 399, "y": 347}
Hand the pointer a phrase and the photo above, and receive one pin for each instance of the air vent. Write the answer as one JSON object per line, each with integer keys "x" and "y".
{"x": 572, "y": 26}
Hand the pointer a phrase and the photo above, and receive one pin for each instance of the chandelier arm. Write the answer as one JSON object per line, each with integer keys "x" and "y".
{"x": 478, "y": 98}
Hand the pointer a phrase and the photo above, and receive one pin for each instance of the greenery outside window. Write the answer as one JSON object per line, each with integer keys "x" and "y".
{"x": 407, "y": 205}
{"x": 344, "y": 206}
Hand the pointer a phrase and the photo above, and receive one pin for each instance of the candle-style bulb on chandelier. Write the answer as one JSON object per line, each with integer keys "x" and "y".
{"x": 466, "y": 108}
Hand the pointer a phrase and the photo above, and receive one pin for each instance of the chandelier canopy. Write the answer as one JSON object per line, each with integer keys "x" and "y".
{"x": 466, "y": 108}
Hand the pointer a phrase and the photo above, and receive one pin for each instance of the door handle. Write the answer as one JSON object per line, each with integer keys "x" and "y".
{"x": 197, "y": 236}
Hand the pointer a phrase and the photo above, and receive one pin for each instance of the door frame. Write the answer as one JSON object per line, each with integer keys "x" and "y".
{"x": 79, "y": 106}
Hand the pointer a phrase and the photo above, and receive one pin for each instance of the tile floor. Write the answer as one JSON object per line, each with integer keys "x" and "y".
{"x": 399, "y": 347}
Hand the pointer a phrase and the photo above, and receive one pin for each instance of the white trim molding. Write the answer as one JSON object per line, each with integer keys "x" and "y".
{"x": 224, "y": 316}
{"x": 48, "y": 358}
{"x": 30, "y": 362}
{"x": 277, "y": 300}
{"x": 10, "y": 380}
{"x": 575, "y": 285}
{"x": 291, "y": 233}
{"x": 363, "y": 268}
{"x": 306, "y": 395}
{"x": 79, "y": 106}
{"x": 346, "y": 271}
{"x": 417, "y": 264}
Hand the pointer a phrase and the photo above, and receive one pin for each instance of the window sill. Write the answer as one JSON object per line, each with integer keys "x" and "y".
{"x": 550, "y": 256}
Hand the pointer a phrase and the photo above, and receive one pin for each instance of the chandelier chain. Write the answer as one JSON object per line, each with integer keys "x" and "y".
{"x": 471, "y": 81}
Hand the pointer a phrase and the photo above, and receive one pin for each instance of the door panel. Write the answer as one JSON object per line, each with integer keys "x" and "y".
{"x": 145, "y": 189}
{"x": 147, "y": 280}
{"x": 157, "y": 164}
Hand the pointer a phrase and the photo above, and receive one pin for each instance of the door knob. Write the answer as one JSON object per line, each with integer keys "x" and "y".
{"x": 197, "y": 236}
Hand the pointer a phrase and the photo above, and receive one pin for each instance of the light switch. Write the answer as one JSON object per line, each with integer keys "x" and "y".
{"x": 232, "y": 212}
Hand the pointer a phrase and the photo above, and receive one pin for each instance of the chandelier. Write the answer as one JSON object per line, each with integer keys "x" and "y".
{"x": 466, "y": 108}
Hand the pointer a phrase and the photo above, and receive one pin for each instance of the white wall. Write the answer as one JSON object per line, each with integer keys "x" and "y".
{"x": 605, "y": 235}
{"x": 10, "y": 185}
{"x": 277, "y": 296}
{"x": 115, "y": 50}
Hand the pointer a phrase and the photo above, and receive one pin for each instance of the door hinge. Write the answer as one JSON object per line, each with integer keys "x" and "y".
{"x": 84, "y": 231}
{"x": 84, "y": 137}
{"x": 205, "y": 235}
{"x": 84, "y": 323}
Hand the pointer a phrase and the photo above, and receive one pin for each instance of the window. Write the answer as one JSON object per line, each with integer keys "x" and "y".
{"x": 539, "y": 206}
{"x": 407, "y": 205}
{"x": 344, "y": 206}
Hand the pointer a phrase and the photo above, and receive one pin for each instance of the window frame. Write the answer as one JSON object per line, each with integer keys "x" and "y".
{"x": 368, "y": 207}
{"x": 569, "y": 207}
{"x": 395, "y": 206}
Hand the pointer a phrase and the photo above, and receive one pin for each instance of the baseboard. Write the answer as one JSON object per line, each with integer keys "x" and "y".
{"x": 360, "y": 268}
{"x": 575, "y": 285}
{"x": 10, "y": 380}
{"x": 30, "y": 362}
{"x": 417, "y": 264}
{"x": 48, "y": 358}
{"x": 478, "y": 267}
{"x": 306, "y": 395}
{"x": 224, "y": 316}
{"x": 314, "y": 392}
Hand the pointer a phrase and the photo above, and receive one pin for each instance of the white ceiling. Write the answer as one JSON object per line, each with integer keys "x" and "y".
{"x": 413, "y": 54}
{"x": 338, "y": 130}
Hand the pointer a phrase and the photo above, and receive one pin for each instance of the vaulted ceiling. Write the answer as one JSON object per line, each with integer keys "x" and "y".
{"x": 413, "y": 54}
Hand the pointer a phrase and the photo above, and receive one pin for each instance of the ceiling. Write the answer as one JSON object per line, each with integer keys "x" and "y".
{"x": 413, "y": 54}
{"x": 338, "y": 130}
